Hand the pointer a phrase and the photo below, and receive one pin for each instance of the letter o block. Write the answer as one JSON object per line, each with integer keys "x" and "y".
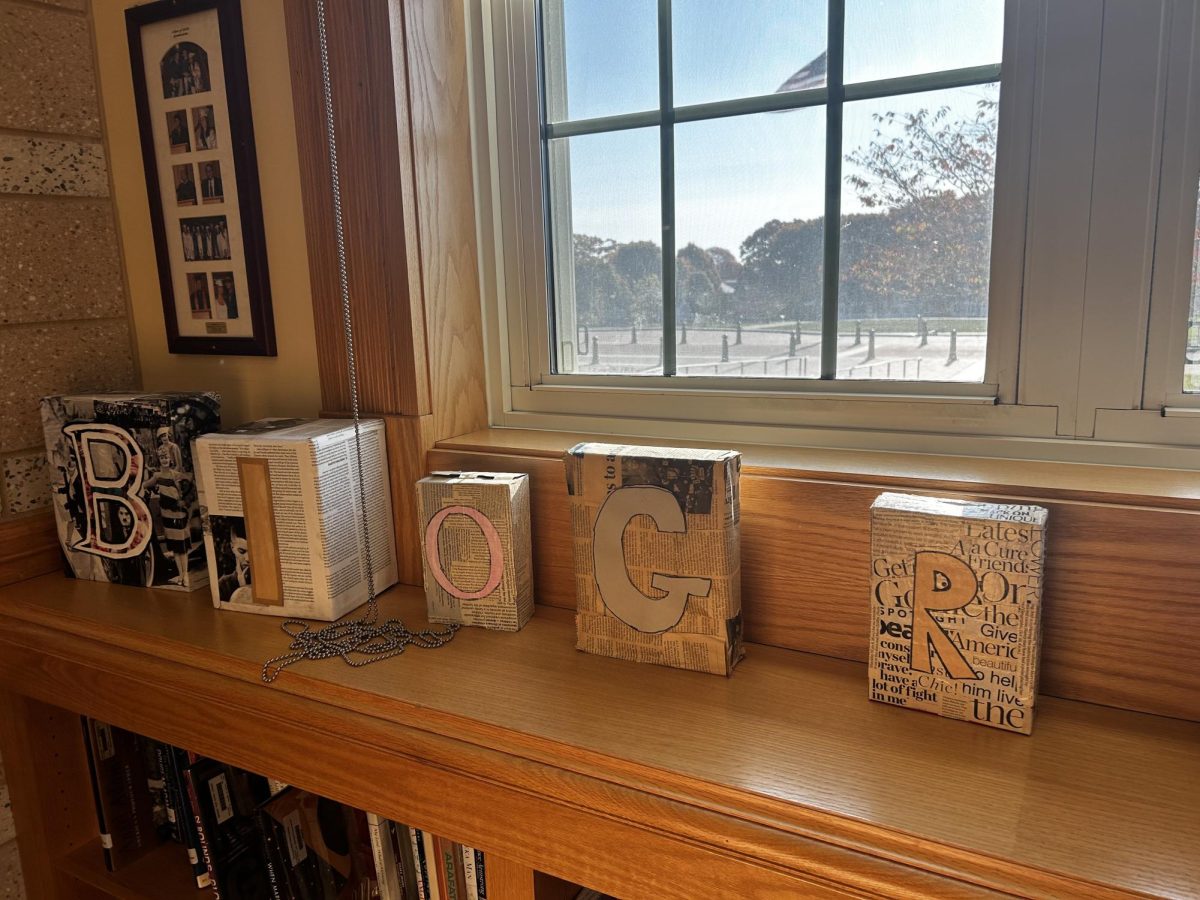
{"x": 476, "y": 548}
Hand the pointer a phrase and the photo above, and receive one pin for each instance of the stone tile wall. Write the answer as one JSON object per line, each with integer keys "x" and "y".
{"x": 63, "y": 320}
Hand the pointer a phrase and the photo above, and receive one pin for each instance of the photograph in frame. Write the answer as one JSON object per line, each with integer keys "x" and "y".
{"x": 197, "y": 135}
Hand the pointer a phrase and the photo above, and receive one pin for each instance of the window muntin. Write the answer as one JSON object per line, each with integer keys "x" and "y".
{"x": 782, "y": 167}
{"x": 1191, "y": 354}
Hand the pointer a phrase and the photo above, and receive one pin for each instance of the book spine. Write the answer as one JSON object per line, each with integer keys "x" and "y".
{"x": 437, "y": 887}
{"x": 468, "y": 858}
{"x": 170, "y": 791}
{"x": 391, "y": 832}
{"x": 270, "y": 856}
{"x": 481, "y": 874}
{"x": 105, "y": 837}
{"x": 450, "y": 869}
{"x": 381, "y": 852}
{"x": 187, "y": 819}
{"x": 202, "y": 838}
{"x": 418, "y": 845}
{"x": 409, "y": 873}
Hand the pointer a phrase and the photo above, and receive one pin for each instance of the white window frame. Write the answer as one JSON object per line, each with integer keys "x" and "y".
{"x": 1171, "y": 294}
{"x": 1035, "y": 400}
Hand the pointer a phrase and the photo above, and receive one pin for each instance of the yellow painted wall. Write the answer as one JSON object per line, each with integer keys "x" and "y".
{"x": 251, "y": 387}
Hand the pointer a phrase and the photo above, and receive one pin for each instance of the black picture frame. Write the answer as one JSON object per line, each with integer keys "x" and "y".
{"x": 255, "y": 300}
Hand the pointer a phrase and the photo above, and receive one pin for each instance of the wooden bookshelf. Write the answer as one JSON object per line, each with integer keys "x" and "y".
{"x": 642, "y": 782}
{"x": 161, "y": 874}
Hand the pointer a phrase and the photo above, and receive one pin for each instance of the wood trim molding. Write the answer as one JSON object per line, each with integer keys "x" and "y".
{"x": 400, "y": 96}
{"x": 1122, "y": 580}
{"x": 435, "y": 49}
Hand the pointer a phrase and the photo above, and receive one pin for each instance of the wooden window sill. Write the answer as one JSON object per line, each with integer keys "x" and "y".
{"x": 1122, "y": 575}
{"x": 1156, "y": 487}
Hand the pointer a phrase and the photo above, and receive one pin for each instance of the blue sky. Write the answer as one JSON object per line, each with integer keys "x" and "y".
{"x": 734, "y": 174}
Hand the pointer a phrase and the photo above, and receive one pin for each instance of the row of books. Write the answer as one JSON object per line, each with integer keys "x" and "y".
{"x": 247, "y": 837}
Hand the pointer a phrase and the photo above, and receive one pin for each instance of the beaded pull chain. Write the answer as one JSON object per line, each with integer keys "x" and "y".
{"x": 366, "y": 640}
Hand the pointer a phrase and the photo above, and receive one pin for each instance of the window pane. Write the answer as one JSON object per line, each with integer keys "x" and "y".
{"x": 919, "y": 178}
{"x": 892, "y": 38}
{"x": 724, "y": 50}
{"x": 1191, "y": 360}
{"x": 605, "y": 230}
{"x": 749, "y": 207}
{"x": 601, "y": 59}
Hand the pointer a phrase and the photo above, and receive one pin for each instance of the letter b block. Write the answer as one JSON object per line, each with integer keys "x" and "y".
{"x": 657, "y": 558}
{"x": 476, "y": 547}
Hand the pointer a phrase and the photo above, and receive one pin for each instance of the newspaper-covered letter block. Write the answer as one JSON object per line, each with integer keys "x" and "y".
{"x": 657, "y": 558}
{"x": 956, "y": 607}
{"x": 476, "y": 545}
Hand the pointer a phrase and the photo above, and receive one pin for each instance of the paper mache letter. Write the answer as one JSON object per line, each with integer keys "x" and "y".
{"x": 476, "y": 548}
{"x": 102, "y": 487}
{"x": 617, "y": 590}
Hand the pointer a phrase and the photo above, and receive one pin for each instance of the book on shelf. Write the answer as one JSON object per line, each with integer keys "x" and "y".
{"x": 226, "y": 801}
{"x": 395, "y": 865}
{"x": 159, "y": 790}
{"x": 416, "y": 842}
{"x": 246, "y": 837}
{"x": 321, "y": 849}
{"x": 182, "y": 813}
{"x": 406, "y": 862}
{"x": 117, "y": 762}
{"x": 431, "y": 868}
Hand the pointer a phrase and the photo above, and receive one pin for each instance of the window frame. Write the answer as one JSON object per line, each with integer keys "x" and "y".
{"x": 1017, "y": 413}
{"x": 832, "y": 99}
{"x": 1171, "y": 293}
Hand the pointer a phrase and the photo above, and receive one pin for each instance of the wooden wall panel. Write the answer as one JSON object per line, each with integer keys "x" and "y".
{"x": 408, "y": 440}
{"x": 1121, "y": 580}
{"x": 375, "y": 168}
{"x": 28, "y": 547}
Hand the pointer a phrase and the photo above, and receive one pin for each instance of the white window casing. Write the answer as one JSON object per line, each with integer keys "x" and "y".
{"x": 1096, "y": 176}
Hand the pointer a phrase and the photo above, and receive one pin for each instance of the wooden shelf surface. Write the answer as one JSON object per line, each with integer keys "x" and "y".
{"x": 162, "y": 874}
{"x": 1097, "y": 802}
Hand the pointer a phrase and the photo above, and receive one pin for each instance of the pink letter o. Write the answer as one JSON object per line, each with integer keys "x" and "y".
{"x": 495, "y": 551}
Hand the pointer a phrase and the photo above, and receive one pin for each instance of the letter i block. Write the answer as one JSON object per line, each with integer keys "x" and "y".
{"x": 476, "y": 547}
{"x": 657, "y": 556}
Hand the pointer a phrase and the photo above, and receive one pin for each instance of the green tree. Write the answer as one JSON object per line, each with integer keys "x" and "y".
{"x": 698, "y": 294}
{"x": 638, "y": 265}
{"x": 781, "y": 271}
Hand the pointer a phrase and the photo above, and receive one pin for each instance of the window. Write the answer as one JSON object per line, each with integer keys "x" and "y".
{"x": 785, "y": 189}
{"x": 940, "y": 225}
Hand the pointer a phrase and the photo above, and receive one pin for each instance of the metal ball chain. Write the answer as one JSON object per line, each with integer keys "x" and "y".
{"x": 365, "y": 640}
